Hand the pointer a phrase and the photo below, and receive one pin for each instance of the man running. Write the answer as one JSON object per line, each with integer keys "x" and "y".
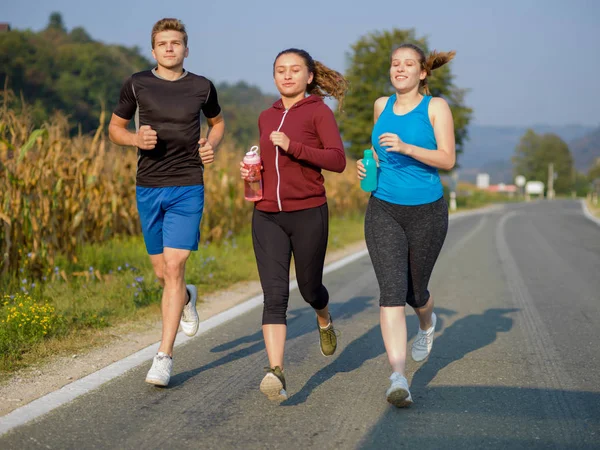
{"x": 165, "y": 103}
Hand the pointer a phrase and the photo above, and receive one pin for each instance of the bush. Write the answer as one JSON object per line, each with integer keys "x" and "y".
{"x": 24, "y": 322}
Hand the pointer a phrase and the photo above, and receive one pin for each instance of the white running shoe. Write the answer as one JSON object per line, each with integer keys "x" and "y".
{"x": 422, "y": 344}
{"x": 398, "y": 393}
{"x": 189, "y": 317}
{"x": 160, "y": 372}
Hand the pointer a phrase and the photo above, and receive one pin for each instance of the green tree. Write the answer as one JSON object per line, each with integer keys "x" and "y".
{"x": 56, "y": 70}
{"x": 69, "y": 71}
{"x": 535, "y": 152}
{"x": 78, "y": 34}
{"x": 368, "y": 73}
{"x": 242, "y": 105}
{"x": 594, "y": 172}
{"x": 56, "y": 22}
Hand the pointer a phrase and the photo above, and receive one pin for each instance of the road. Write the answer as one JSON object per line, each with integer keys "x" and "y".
{"x": 514, "y": 365}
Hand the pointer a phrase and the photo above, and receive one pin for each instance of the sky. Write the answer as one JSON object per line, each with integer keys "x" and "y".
{"x": 523, "y": 62}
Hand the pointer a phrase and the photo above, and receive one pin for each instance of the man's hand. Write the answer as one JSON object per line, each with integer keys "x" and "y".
{"x": 146, "y": 138}
{"x": 207, "y": 154}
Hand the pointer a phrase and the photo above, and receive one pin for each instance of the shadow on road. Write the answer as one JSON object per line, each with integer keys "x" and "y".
{"x": 490, "y": 417}
{"x": 484, "y": 416}
{"x": 464, "y": 336}
{"x": 300, "y": 322}
{"x": 355, "y": 354}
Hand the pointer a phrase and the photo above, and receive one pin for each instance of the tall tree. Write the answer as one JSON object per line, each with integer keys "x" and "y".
{"x": 69, "y": 71}
{"x": 535, "y": 153}
{"x": 368, "y": 73}
{"x": 242, "y": 104}
{"x": 594, "y": 172}
{"x": 56, "y": 70}
{"x": 56, "y": 22}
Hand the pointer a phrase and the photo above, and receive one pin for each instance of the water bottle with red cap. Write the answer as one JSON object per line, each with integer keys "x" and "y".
{"x": 253, "y": 182}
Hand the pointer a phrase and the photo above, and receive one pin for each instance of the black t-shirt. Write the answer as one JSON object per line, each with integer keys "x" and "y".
{"x": 172, "y": 108}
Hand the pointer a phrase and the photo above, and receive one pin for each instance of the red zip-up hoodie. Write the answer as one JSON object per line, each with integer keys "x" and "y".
{"x": 292, "y": 180}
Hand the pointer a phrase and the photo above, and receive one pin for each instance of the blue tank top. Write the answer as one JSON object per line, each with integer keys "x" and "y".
{"x": 401, "y": 179}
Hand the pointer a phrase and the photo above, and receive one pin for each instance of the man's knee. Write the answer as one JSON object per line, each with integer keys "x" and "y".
{"x": 159, "y": 272}
{"x": 174, "y": 268}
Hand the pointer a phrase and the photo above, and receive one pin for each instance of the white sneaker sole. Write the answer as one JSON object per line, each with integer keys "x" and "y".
{"x": 420, "y": 358}
{"x": 272, "y": 387}
{"x": 157, "y": 382}
{"x": 400, "y": 398}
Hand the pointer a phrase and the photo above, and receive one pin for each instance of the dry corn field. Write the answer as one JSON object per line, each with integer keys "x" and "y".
{"x": 58, "y": 192}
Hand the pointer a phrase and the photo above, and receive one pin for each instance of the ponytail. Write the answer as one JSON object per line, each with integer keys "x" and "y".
{"x": 434, "y": 60}
{"x": 326, "y": 82}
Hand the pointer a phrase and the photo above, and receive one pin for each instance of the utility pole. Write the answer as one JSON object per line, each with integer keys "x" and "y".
{"x": 453, "y": 187}
{"x": 550, "y": 181}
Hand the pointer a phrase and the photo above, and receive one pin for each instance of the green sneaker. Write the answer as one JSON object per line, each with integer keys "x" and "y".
{"x": 273, "y": 384}
{"x": 327, "y": 338}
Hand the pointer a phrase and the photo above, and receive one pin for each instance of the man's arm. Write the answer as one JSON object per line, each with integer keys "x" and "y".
{"x": 144, "y": 139}
{"x": 208, "y": 145}
{"x": 216, "y": 130}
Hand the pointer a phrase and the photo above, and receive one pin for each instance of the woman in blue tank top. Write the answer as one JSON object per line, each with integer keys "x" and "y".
{"x": 407, "y": 217}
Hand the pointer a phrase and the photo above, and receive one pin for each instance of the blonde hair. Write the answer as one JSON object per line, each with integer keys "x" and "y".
{"x": 428, "y": 63}
{"x": 167, "y": 24}
{"x": 326, "y": 82}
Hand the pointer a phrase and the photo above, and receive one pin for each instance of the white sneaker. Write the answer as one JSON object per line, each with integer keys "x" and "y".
{"x": 398, "y": 393}
{"x": 189, "y": 317}
{"x": 422, "y": 344}
{"x": 160, "y": 372}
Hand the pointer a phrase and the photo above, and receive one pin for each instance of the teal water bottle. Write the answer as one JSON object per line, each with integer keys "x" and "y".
{"x": 369, "y": 182}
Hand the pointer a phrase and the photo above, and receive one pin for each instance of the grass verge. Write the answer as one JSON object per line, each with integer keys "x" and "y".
{"x": 113, "y": 284}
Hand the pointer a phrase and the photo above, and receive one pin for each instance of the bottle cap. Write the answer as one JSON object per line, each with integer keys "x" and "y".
{"x": 368, "y": 153}
{"x": 253, "y": 151}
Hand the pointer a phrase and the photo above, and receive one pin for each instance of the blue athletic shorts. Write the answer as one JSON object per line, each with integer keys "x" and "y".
{"x": 170, "y": 216}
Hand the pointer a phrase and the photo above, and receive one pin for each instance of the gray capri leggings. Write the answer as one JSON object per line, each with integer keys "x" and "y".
{"x": 404, "y": 243}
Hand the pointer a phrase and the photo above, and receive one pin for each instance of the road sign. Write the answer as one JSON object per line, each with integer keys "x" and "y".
{"x": 520, "y": 180}
{"x": 534, "y": 187}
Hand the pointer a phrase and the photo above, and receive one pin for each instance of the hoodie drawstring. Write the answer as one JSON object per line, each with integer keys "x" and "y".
{"x": 277, "y": 162}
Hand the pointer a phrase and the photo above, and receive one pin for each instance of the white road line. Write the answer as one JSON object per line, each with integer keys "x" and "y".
{"x": 588, "y": 214}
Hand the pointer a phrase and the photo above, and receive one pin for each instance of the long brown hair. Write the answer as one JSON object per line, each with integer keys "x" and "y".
{"x": 428, "y": 63}
{"x": 326, "y": 82}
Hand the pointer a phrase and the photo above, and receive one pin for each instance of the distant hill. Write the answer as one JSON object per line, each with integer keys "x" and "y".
{"x": 490, "y": 148}
{"x": 242, "y": 103}
{"x": 57, "y": 69}
{"x": 586, "y": 150}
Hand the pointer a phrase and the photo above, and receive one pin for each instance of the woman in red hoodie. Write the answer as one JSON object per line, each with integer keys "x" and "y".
{"x": 298, "y": 138}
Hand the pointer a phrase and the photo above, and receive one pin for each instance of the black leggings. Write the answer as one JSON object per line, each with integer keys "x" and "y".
{"x": 275, "y": 237}
{"x": 404, "y": 243}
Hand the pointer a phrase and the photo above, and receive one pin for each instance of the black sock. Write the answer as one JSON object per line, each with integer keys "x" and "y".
{"x": 189, "y": 296}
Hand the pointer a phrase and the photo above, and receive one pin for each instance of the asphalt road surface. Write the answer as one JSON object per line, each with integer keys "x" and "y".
{"x": 515, "y": 363}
